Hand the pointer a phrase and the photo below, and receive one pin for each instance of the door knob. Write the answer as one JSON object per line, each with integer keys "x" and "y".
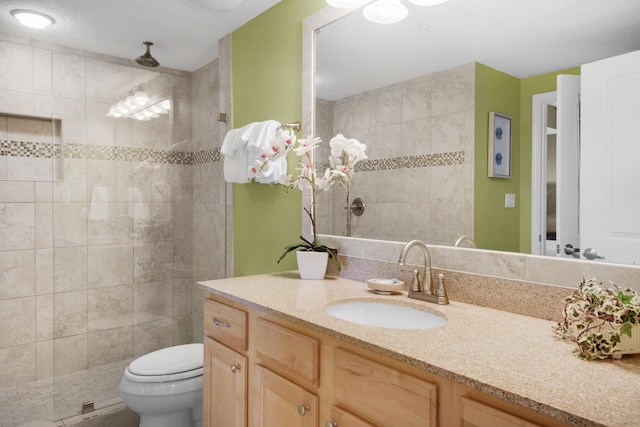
{"x": 331, "y": 424}
{"x": 591, "y": 253}
{"x": 570, "y": 250}
{"x": 235, "y": 368}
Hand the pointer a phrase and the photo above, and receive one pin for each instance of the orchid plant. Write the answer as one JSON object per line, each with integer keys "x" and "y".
{"x": 345, "y": 153}
{"x": 597, "y": 316}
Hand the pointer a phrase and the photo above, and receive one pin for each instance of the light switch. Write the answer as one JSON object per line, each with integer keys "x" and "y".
{"x": 509, "y": 200}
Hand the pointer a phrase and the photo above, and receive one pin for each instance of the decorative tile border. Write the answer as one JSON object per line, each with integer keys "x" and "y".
{"x": 407, "y": 162}
{"x": 99, "y": 152}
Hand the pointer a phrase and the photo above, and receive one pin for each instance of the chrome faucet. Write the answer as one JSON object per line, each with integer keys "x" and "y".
{"x": 462, "y": 239}
{"x": 422, "y": 288}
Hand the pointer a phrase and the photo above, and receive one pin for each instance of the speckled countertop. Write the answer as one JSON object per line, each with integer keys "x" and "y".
{"x": 512, "y": 356}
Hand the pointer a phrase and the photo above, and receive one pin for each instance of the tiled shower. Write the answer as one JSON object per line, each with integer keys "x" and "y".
{"x": 97, "y": 222}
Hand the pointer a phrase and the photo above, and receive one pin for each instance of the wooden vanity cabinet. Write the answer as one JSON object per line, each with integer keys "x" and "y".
{"x": 263, "y": 371}
{"x": 225, "y": 370}
{"x": 472, "y": 408}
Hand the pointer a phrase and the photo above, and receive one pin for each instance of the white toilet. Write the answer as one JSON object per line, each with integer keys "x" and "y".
{"x": 165, "y": 387}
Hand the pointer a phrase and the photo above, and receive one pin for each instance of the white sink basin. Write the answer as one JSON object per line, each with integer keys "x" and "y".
{"x": 385, "y": 315}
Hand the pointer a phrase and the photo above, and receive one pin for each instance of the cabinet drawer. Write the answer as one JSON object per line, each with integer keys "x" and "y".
{"x": 342, "y": 418}
{"x": 225, "y": 324}
{"x": 287, "y": 351}
{"x": 480, "y": 415}
{"x": 389, "y": 396}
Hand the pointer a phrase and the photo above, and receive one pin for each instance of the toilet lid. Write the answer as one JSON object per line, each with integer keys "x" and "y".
{"x": 168, "y": 361}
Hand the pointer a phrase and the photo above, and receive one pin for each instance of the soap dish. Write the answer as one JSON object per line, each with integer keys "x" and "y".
{"x": 386, "y": 286}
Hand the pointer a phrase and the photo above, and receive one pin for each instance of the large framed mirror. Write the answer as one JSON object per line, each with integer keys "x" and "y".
{"x": 409, "y": 91}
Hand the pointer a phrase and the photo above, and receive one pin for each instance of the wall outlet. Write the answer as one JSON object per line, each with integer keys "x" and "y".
{"x": 509, "y": 200}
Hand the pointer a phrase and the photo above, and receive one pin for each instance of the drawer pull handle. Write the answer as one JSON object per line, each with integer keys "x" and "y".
{"x": 331, "y": 424}
{"x": 235, "y": 368}
{"x": 302, "y": 409}
{"x": 219, "y": 323}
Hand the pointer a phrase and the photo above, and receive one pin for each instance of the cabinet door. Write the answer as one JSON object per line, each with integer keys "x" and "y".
{"x": 476, "y": 414}
{"x": 279, "y": 402}
{"x": 225, "y": 386}
{"x": 386, "y": 395}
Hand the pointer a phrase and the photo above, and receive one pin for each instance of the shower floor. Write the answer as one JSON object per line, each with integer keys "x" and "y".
{"x": 27, "y": 403}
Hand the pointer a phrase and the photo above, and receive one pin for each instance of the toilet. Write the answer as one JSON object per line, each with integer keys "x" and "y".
{"x": 165, "y": 387}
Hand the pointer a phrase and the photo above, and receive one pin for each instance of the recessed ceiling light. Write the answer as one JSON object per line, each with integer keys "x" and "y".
{"x": 32, "y": 19}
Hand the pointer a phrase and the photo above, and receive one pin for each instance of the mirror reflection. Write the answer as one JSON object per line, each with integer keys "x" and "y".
{"x": 410, "y": 92}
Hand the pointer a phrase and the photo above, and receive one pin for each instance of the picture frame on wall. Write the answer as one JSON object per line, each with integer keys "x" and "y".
{"x": 499, "y": 146}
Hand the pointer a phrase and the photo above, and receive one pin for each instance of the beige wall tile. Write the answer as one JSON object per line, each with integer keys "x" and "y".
{"x": 70, "y": 354}
{"x": 44, "y": 317}
{"x": 110, "y": 307}
{"x": 44, "y": 359}
{"x": 152, "y": 336}
{"x": 18, "y": 231}
{"x": 69, "y": 313}
{"x": 153, "y": 301}
{"x": 18, "y": 364}
{"x": 110, "y": 265}
{"x": 44, "y": 271}
{"x": 17, "y": 278}
{"x": 16, "y": 72}
{"x": 70, "y": 268}
{"x": 17, "y": 317}
{"x": 109, "y": 346}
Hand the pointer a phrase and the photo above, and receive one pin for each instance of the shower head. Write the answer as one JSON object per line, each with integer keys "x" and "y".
{"x": 147, "y": 60}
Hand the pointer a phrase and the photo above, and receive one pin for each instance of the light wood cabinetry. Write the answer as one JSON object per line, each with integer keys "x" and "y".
{"x": 472, "y": 408}
{"x": 225, "y": 385}
{"x": 369, "y": 387}
{"x": 261, "y": 370}
{"x": 225, "y": 373}
{"x": 279, "y": 402}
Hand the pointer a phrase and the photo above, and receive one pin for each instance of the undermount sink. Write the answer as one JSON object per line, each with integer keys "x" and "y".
{"x": 385, "y": 315}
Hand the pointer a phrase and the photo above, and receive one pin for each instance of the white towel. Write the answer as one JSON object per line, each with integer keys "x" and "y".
{"x": 138, "y": 209}
{"x": 262, "y": 137}
{"x": 99, "y": 208}
{"x": 234, "y": 149}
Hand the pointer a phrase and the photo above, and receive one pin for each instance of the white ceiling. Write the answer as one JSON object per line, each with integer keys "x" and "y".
{"x": 523, "y": 38}
{"x": 185, "y": 33}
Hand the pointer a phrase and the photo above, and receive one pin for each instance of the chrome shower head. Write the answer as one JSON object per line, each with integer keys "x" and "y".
{"x": 147, "y": 60}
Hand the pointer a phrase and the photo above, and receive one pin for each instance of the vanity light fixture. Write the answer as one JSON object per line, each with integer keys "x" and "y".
{"x": 137, "y": 104}
{"x": 32, "y": 19}
{"x": 383, "y": 11}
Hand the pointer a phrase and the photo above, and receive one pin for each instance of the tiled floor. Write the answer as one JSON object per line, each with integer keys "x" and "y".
{"x": 26, "y": 404}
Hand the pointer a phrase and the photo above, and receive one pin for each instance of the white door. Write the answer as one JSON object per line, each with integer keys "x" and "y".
{"x": 610, "y": 159}
{"x": 567, "y": 172}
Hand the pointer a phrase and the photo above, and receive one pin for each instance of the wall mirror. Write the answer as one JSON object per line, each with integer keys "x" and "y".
{"x": 418, "y": 180}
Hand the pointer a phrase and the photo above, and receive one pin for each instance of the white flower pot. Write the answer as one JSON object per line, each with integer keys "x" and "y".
{"x": 312, "y": 265}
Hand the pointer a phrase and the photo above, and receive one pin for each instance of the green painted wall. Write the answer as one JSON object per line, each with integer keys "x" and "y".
{"x": 529, "y": 87}
{"x": 496, "y": 227}
{"x": 267, "y": 84}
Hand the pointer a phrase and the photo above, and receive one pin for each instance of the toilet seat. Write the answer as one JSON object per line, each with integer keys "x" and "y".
{"x": 167, "y": 364}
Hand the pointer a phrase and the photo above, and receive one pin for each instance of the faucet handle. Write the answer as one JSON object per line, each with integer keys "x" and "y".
{"x": 415, "y": 282}
{"x": 441, "y": 290}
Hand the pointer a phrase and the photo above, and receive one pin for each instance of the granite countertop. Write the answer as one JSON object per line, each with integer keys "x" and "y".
{"x": 514, "y": 357}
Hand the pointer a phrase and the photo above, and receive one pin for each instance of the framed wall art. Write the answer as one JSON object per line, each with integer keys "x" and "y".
{"x": 499, "y": 146}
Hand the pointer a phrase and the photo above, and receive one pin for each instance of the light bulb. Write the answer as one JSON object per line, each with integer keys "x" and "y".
{"x": 347, "y": 4}
{"x": 166, "y": 104}
{"x": 32, "y": 19}
{"x": 141, "y": 97}
{"x": 427, "y": 2}
{"x": 385, "y": 12}
{"x": 122, "y": 107}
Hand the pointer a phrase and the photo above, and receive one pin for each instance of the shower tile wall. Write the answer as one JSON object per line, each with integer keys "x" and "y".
{"x": 420, "y": 141}
{"x": 98, "y": 267}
